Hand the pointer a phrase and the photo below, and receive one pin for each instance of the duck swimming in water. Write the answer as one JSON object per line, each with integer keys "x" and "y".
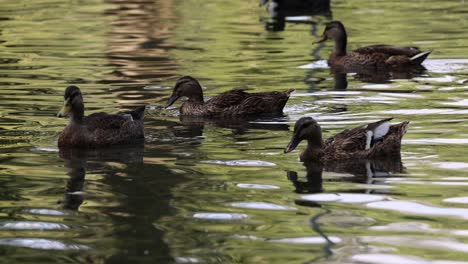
{"x": 98, "y": 129}
{"x": 374, "y": 140}
{"x": 375, "y": 56}
{"x": 232, "y": 103}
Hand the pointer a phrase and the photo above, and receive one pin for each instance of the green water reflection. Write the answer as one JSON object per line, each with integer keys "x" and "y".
{"x": 222, "y": 191}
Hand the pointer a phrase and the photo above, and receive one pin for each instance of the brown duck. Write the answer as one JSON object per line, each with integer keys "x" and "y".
{"x": 98, "y": 129}
{"x": 375, "y": 56}
{"x": 371, "y": 141}
{"x": 232, "y": 103}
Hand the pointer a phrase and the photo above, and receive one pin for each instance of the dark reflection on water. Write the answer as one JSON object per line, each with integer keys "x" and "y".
{"x": 147, "y": 198}
{"x": 313, "y": 178}
{"x": 239, "y": 125}
{"x": 142, "y": 198}
{"x": 362, "y": 171}
{"x": 77, "y": 161}
{"x": 279, "y": 10}
{"x": 377, "y": 76}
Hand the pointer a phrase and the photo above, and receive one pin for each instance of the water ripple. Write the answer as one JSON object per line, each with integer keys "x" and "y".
{"x": 343, "y": 197}
{"x": 257, "y": 186}
{"x": 462, "y": 200}
{"x": 41, "y": 243}
{"x": 306, "y": 240}
{"x": 263, "y": 206}
{"x": 26, "y": 225}
{"x": 220, "y": 216}
{"x": 417, "y": 227}
{"x": 418, "y": 242}
{"x": 242, "y": 163}
{"x": 416, "y": 208}
{"x": 379, "y": 258}
{"x": 42, "y": 211}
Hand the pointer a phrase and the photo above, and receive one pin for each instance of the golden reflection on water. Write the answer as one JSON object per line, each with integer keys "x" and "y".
{"x": 138, "y": 44}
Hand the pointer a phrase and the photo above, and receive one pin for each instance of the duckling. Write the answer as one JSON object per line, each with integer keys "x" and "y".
{"x": 98, "y": 129}
{"x": 232, "y": 103}
{"x": 374, "y": 140}
{"x": 375, "y": 56}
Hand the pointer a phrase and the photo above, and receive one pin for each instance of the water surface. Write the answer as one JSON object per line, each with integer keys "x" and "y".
{"x": 224, "y": 192}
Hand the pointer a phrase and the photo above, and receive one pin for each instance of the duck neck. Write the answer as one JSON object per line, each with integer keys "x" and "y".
{"x": 339, "y": 48}
{"x": 314, "y": 150}
{"x": 77, "y": 115}
{"x": 197, "y": 97}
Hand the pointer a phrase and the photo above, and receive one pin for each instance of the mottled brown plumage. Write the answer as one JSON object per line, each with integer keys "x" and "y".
{"x": 232, "y": 103}
{"x": 98, "y": 129}
{"x": 374, "y": 140}
{"x": 375, "y": 56}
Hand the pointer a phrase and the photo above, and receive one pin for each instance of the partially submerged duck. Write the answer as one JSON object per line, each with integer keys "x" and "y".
{"x": 371, "y": 141}
{"x": 279, "y": 10}
{"x": 296, "y": 7}
{"x": 231, "y": 103}
{"x": 98, "y": 129}
{"x": 375, "y": 56}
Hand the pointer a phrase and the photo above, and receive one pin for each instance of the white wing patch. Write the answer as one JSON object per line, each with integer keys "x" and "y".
{"x": 415, "y": 57}
{"x": 377, "y": 133}
{"x": 381, "y": 131}
{"x": 369, "y": 135}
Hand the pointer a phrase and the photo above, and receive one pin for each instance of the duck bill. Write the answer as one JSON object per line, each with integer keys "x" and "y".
{"x": 322, "y": 39}
{"x": 66, "y": 108}
{"x": 171, "y": 100}
{"x": 292, "y": 144}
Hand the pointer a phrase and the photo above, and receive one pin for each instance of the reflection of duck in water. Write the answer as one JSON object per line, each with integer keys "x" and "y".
{"x": 77, "y": 160}
{"x": 98, "y": 129}
{"x": 374, "y": 76}
{"x": 364, "y": 171}
{"x": 232, "y": 103}
{"x": 373, "y": 57}
{"x": 240, "y": 125}
{"x": 313, "y": 182}
{"x": 280, "y": 9}
{"x": 371, "y": 141}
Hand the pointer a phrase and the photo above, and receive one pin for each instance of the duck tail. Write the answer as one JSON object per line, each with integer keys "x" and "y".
{"x": 390, "y": 145}
{"x": 403, "y": 127}
{"x": 290, "y": 91}
{"x": 420, "y": 57}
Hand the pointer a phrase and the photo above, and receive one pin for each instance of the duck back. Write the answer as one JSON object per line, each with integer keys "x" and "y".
{"x": 375, "y": 140}
{"x": 102, "y": 129}
{"x": 239, "y": 102}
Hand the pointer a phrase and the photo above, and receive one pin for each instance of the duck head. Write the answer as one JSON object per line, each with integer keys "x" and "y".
{"x": 73, "y": 104}
{"x": 186, "y": 86}
{"x": 333, "y": 30}
{"x": 306, "y": 128}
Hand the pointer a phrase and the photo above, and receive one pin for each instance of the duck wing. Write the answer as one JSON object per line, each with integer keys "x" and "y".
{"x": 137, "y": 114}
{"x": 390, "y": 144}
{"x": 104, "y": 121}
{"x": 360, "y": 139}
{"x": 239, "y": 102}
{"x": 107, "y": 121}
{"x": 389, "y": 50}
{"x": 227, "y": 99}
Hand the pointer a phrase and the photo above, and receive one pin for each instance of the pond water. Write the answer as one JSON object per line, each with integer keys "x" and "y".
{"x": 204, "y": 191}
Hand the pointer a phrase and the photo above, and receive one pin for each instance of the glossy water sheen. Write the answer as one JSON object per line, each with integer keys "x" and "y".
{"x": 223, "y": 192}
